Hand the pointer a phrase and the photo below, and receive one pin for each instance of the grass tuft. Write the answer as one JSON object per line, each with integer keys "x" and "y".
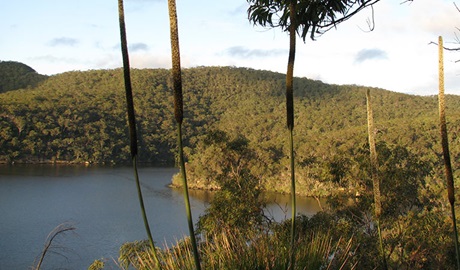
{"x": 228, "y": 251}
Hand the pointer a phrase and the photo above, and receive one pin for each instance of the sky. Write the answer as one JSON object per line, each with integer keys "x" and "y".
{"x": 55, "y": 36}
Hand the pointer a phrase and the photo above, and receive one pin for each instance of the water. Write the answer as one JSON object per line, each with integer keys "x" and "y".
{"x": 102, "y": 204}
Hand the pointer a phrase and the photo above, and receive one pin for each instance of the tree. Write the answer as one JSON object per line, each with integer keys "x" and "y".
{"x": 300, "y": 16}
{"x": 408, "y": 213}
{"x": 237, "y": 206}
{"x": 312, "y": 17}
{"x": 15, "y": 75}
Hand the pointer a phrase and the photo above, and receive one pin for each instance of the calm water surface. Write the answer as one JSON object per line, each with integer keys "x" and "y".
{"x": 102, "y": 203}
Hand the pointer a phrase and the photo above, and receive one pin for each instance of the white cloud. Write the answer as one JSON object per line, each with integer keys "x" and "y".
{"x": 63, "y": 41}
{"x": 434, "y": 17}
{"x": 55, "y": 59}
{"x": 370, "y": 54}
{"x": 138, "y": 47}
{"x": 244, "y": 52}
{"x": 147, "y": 60}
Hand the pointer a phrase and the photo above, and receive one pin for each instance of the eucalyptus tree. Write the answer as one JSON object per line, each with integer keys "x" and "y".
{"x": 303, "y": 17}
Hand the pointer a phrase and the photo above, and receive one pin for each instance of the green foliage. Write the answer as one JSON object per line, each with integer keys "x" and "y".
{"x": 234, "y": 126}
{"x": 420, "y": 240}
{"x": 218, "y": 157}
{"x": 415, "y": 229}
{"x": 402, "y": 175}
{"x": 133, "y": 252}
{"x": 15, "y": 75}
{"x": 237, "y": 204}
{"x": 80, "y": 116}
{"x": 235, "y": 250}
{"x": 97, "y": 265}
{"x": 314, "y": 17}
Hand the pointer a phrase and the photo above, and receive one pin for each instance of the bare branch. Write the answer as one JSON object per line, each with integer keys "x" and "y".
{"x": 456, "y": 36}
{"x": 60, "y": 229}
{"x": 407, "y": 1}
{"x": 456, "y": 7}
{"x": 370, "y": 23}
{"x": 334, "y": 23}
{"x": 445, "y": 48}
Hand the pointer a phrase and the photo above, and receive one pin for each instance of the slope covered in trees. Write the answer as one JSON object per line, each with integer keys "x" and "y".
{"x": 81, "y": 117}
{"x": 15, "y": 75}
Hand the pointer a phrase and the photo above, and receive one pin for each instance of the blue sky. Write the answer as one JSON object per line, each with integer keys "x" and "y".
{"x": 55, "y": 36}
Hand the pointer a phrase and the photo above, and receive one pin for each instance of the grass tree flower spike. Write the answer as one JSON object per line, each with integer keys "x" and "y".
{"x": 132, "y": 122}
{"x": 375, "y": 173}
{"x": 445, "y": 148}
{"x": 290, "y": 123}
{"x": 179, "y": 115}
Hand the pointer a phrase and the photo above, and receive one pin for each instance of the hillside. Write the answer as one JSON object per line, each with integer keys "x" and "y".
{"x": 15, "y": 75}
{"x": 80, "y": 117}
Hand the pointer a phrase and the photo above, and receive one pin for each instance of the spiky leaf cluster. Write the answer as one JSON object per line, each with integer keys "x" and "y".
{"x": 313, "y": 17}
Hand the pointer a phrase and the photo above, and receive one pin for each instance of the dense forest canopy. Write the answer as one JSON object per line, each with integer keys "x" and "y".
{"x": 80, "y": 117}
{"x": 15, "y": 75}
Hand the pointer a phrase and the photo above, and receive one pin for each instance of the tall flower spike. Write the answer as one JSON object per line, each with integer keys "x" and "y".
{"x": 445, "y": 148}
{"x": 179, "y": 115}
{"x": 375, "y": 174}
{"x": 290, "y": 124}
{"x": 132, "y": 122}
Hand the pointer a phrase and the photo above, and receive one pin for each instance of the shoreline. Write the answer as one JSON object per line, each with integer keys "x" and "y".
{"x": 174, "y": 184}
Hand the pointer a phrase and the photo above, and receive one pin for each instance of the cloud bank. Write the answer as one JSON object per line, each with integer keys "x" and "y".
{"x": 243, "y": 52}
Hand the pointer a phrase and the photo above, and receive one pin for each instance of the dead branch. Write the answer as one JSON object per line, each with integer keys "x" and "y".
{"x": 60, "y": 229}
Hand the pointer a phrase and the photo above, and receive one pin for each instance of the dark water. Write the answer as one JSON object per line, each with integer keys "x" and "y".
{"x": 102, "y": 204}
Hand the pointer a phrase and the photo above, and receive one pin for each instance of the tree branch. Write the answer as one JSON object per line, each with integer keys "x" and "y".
{"x": 370, "y": 23}
{"x": 444, "y": 47}
{"x": 334, "y": 23}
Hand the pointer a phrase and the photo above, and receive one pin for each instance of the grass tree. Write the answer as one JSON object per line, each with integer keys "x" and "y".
{"x": 303, "y": 17}
{"x": 445, "y": 149}
{"x": 132, "y": 122}
{"x": 179, "y": 116}
{"x": 375, "y": 173}
{"x": 290, "y": 123}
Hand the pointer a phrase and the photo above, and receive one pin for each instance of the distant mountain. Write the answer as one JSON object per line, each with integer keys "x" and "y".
{"x": 15, "y": 75}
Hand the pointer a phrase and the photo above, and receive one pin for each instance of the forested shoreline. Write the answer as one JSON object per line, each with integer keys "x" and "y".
{"x": 235, "y": 141}
{"x": 233, "y": 117}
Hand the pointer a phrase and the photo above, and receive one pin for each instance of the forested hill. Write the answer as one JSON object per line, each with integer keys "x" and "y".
{"x": 81, "y": 117}
{"x": 15, "y": 75}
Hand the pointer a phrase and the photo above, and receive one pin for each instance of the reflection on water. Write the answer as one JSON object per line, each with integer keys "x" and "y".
{"x": 204, "y": 196}
{"x": 101, "y": 202}
{"x": 278, "y": 205}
